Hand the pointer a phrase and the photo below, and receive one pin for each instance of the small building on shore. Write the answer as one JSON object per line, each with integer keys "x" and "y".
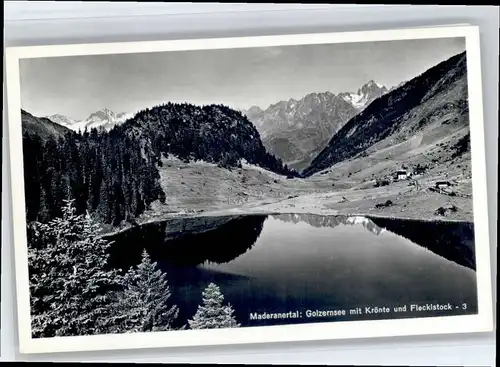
{"x": 442, "y": 184}
{"x": 401, "y": 175}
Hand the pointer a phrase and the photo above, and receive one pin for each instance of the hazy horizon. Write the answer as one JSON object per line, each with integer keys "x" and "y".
{"x": 76, "y": 86}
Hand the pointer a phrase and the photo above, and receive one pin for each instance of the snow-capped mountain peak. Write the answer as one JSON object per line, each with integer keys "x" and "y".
{"x": 104, "y": 114}
{"x": 61, "y": 119}
{"x": 365, "y": 95}
{"x": 103, "y": 118}
{"x": 372, "y": 83}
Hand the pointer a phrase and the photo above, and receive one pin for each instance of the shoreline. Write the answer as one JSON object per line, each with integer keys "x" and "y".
{"x": 261, "y": 210}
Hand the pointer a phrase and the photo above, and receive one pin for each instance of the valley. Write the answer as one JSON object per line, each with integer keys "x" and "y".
{"x": 199, "y": 189}
{"x": 420, "y": 128}
{"x": 377, "y": 152}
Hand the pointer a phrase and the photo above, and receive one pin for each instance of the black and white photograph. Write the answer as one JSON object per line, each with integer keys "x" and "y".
{"x": 247, "y": 188}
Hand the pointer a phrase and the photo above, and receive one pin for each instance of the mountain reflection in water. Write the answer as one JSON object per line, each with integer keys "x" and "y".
{"x": 280, "y": 263}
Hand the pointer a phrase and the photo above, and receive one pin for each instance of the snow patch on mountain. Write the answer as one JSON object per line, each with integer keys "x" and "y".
{"x": 356, "y": 100}
{"x": 365, "y": 95}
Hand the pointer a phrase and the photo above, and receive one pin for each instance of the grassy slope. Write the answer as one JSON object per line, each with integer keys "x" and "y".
{"x": 204, "y": 189}
{"x": 192, "y": 187}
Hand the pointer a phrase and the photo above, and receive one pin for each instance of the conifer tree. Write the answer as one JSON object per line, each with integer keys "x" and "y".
{"x": 143, "y": 305}
{"x": 212, "y": 314}
{"x": 70, "y": 287}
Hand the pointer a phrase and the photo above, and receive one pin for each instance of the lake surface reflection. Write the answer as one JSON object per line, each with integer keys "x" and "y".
{"x": 300, "y": 262}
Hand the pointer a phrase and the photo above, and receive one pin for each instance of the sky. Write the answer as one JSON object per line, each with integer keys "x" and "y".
{"x": 77, "y": 86}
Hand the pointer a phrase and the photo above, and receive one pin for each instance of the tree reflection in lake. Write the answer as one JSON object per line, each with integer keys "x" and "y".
{"x": 284, "y": 262}
{"x": 452, "y": 240}
{"x": 189, "y": 241}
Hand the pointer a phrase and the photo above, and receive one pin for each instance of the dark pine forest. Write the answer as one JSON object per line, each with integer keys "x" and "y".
{"x": 115, "y": 174}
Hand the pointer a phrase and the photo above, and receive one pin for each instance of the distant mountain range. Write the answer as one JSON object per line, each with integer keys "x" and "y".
{"x": 294, "y": 131}
{"x": 308, "y": 135}
{"x": 104, "y": 118}
{"x": 297, "y": 130}
{"x": 433, "y": 105}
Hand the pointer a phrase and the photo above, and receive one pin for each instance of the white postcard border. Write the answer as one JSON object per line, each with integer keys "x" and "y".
{"x": 482, "y": 322}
